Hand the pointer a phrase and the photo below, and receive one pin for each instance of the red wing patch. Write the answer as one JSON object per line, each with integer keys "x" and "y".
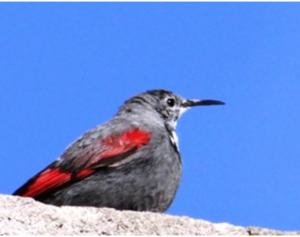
{"x": 127, "y": 141}
{"x": 48, "y": 179}
{"x": 84, "y": 173}
{"x": 111, "y": 147}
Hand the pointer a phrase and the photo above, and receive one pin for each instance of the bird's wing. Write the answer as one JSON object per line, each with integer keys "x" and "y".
{"x": 84, "y": 159}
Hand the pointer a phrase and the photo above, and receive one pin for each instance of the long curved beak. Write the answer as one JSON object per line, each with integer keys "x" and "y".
{"x": 190, "y": 103}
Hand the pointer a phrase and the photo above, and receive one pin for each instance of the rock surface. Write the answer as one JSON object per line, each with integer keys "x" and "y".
{"x": 26, "y": 216}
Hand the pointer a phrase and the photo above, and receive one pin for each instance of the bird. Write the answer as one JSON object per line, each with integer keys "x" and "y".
{"x": 131, "y": 162}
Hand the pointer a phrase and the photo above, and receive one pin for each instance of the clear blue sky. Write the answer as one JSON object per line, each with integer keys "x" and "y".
{"x": 67, "y": 67}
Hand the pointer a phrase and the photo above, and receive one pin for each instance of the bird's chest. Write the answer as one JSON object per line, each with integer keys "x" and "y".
{"x": 161, "y": 177}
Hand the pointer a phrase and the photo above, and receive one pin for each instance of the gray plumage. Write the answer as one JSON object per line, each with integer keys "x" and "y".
{"x": 144, "y": 178}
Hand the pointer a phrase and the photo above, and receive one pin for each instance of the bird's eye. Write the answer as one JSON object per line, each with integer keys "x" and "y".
{"x": 171, "y": 102}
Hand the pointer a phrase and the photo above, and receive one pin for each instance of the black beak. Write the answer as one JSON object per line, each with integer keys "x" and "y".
{"x": 190, "y": 103}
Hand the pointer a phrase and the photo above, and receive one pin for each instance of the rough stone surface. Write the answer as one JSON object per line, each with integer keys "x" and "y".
{"x": 26, "y": 216}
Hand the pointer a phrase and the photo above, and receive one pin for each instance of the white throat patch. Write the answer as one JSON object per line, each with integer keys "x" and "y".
{"x": 173, "y": 136}
{"x": 174, "y": 139}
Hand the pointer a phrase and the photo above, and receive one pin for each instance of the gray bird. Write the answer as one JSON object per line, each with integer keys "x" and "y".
{"x": 131, "y": 162}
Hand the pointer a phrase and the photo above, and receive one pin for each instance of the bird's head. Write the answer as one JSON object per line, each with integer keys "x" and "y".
{"x": 168, "y": 105}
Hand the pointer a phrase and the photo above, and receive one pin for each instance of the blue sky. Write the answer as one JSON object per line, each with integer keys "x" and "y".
{"x": 67, "y": 67}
